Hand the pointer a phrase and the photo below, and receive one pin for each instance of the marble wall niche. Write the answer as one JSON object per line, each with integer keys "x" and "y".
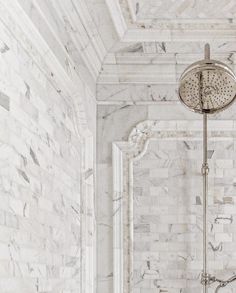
{"x": 157, "y": 207}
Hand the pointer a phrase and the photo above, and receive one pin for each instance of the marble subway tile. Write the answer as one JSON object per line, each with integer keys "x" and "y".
{"x": 42, "y": 239}
{"x": 173, "y": 210}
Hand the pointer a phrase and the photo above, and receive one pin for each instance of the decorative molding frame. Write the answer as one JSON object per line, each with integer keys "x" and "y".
{"x": 124, "y": 154}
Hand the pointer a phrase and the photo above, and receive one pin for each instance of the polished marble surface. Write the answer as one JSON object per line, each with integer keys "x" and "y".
{"x": 155, "y": 167}
{"x": 47, "y": 220}
{"x": 151, "y": 9}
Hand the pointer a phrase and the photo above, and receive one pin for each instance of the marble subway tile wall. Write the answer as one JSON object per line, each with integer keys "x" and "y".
{"x": 114, "y": 123}
{"x": 41, "y": 187}
{"x": 168, "y": 214}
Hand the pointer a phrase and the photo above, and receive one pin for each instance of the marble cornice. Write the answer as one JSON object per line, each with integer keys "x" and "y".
{"x": 136, "y": 47}
{"x": 84, "y": 34}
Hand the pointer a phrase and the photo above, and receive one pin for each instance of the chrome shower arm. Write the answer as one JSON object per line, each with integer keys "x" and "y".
{"x": 208, "y": 280}
{"x": 218, "y": 288}
{"x": 224, "y": 283}
{"x": 232, "y": 279}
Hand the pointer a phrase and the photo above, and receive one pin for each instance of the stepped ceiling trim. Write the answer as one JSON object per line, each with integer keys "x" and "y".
{"x": 115, "y": 42}
{"x": 158, "y": 39}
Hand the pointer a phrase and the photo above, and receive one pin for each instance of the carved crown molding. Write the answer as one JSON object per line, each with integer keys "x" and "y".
{"x": 140, "y": 135}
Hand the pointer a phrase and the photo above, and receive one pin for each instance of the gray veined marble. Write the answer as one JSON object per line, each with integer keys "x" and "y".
{"x": 47, "y": 213}
{"x": 66, "y": 64}
{"x": 162, "y": 205}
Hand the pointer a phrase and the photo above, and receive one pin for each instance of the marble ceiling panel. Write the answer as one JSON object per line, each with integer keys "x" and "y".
{"x": 183, "y": 9}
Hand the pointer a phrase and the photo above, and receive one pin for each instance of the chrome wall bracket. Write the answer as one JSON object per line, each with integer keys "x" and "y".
{"x": 207, "y": 279}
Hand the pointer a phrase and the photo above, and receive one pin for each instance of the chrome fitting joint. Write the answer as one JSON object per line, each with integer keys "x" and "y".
{"x": 207, "y": 279}
{"x": 205, "y": 169}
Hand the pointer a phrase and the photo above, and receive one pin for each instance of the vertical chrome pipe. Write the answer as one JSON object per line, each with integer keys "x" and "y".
{"x": 205, "y": 171}
{"x": 207, "y": 51}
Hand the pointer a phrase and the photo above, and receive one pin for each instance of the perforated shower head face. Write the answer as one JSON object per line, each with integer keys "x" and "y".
{"x": 207, "y": 86}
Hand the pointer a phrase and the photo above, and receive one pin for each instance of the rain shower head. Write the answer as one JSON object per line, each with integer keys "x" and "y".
{"x": 207, "y": 86}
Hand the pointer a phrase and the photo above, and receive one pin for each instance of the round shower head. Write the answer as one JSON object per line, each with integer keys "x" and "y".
{"x": 207, "y": 86}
